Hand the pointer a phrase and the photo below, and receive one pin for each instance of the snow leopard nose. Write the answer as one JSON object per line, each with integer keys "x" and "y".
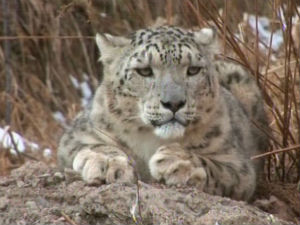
{"x": 172, "y": 95}
{"x": 174, "y": 106}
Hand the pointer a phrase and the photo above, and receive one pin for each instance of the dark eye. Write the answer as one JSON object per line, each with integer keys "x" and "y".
{"x": 193, "y": 70}
{"x": 145, "y": 72}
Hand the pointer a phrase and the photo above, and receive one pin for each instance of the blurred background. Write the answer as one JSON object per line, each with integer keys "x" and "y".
{"x": 49, "y": 68}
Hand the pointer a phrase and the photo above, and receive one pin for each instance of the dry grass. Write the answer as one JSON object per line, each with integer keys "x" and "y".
{"x": 49, "y": 40}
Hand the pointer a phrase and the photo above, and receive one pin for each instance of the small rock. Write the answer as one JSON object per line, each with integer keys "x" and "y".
{"x": 3, "y": 203}
{"x": 7, "y": 182}
{"x": 20, "y": 183}
{"x": 77, "y": 218}
{"x": 50, "y": 181}
{"x": 42, "y": 202}
{"x": 31, "y": 205}
{"x": 58, "y": 177}
{"x": 55, "y": 211}
{"x": 35, "y": 182}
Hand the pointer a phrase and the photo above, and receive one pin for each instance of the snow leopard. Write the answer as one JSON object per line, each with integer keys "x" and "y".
{"x": 168, "y": 111}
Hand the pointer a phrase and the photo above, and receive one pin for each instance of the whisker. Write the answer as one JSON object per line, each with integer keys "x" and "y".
{"x": 133, "y": 117}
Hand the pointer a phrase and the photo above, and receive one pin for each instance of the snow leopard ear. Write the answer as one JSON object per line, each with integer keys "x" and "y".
{"x": 109, "y": 45}
{"x": 207, "y": 37}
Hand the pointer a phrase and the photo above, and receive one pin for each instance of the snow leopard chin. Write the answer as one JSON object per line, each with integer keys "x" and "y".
{"x": 170, "y": 130}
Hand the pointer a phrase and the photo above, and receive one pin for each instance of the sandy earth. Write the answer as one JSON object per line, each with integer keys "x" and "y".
{"x": 39, "y": 194}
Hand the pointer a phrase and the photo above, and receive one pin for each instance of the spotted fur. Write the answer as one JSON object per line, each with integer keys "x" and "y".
{"x": 169, "y": 109}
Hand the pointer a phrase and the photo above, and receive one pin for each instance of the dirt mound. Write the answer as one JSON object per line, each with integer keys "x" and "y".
{"x": 38, "y": 194}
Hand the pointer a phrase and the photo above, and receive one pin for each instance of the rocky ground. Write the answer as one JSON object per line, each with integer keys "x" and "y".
{"x": 37, "y": 193}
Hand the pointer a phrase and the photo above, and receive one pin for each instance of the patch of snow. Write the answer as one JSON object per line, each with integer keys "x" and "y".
{"x": 280, "y": 14}
{"x": 86, "y": 90}
{"x": 263, "y": 27}
{"x": 103, "y": 15}
{"x": 47, "y": 153}
{"x": 8, "y": 142}
{"x": 33, "y": 146}
{"x": 74, "y": 81}
{"x": 59, "y": 117}
{"x": 21, "y": 143}
{"x": 86, "y": 77}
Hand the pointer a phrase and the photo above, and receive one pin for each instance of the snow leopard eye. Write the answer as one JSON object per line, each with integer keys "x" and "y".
{"x": 193, "y": 70}
{"x": 145, "y": 72}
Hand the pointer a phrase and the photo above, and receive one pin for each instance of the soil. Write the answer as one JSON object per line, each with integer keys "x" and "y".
{"x": 37, "y": 193}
